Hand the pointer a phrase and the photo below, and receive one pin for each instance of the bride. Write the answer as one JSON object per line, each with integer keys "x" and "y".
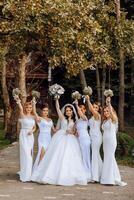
{"x": 62, "y": 164}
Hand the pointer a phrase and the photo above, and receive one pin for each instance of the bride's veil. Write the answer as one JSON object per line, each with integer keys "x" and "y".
{"x": 63, "y": 111}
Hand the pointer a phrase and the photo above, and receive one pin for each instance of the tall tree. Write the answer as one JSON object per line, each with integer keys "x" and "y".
{"x": 68, "y": 31}
{"x": 5, "y": 93}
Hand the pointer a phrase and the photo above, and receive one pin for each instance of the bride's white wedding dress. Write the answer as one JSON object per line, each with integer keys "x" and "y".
{"x": 62, "y": 163}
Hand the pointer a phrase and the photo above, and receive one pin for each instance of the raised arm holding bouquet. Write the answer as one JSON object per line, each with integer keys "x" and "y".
{"x": 46, "y": 128}
{"x": 110, "y": 173}
{"x": 84, "y": 138}
{"x": 26, "y": 138}
{"x": 96, "y": 137}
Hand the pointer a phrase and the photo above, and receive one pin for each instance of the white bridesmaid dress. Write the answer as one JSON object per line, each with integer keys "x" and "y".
{"x": 26, "y": 143}
{"x": 44, "y": 138}
{"x": 84, "y": 140}
{"x": 62, "y": 163}
{"x": 110, "y": 173}
{"x": 96, "y": 141}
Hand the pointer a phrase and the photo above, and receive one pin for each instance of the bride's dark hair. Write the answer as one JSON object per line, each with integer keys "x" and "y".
{"x": 73, "y": 114}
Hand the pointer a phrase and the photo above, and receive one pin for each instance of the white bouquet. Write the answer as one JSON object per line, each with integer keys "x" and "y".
{"x": 88, "y": 91}
{"x": 108, "y": 93}
{"x": 56, "y": 90}
{"x": 16, "y": 92}
{"x": 76, "y": 95}
{"x": 36, "y": 94}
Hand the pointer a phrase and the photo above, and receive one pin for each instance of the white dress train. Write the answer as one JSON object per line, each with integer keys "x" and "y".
{"x": 96, "y": 141}
{"x": 26, "y": 143}
{"x": 44, "y": 137}
{"x": 110, "y": 173}
{"x": 62, "y": 163}
{"x": 84, "y": 140}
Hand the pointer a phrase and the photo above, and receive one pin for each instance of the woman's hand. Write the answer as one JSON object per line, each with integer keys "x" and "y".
{"x": 76, "y": 102}
{"x": 33, "y": 101}
{"x": 76, "y": 134}
{"x": 17, "y": 99}
{"x": 87, "y": 98}
{"x": 70, "y": 132}
{"x": 108, "y": 100}
{"x": 30, "y": 132}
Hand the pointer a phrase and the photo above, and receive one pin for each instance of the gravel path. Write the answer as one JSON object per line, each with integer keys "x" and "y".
{"x": 12, "y": 188}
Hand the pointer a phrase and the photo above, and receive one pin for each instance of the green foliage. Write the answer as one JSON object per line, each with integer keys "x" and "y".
{"x": 3, "y": 142}
{"x": 67, "y": 31}
{"x": 125, "y": 145}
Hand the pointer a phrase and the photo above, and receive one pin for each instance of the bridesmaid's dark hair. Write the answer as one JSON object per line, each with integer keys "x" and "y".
{"x": 82, "y": 105}
{"x": 73, "y": 116}
{"x": 45, "y": 106}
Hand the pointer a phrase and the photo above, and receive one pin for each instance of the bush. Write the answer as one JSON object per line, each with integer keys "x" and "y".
{"x": 125, "y": 145}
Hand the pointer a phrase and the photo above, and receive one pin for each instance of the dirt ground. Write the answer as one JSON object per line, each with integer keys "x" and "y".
{"x": 12, "y": 188}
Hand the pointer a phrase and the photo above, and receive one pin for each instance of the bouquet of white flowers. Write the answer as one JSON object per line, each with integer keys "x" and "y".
{"x": 36, "y": 94}
{"x": 88, "y": 91}
{"x": 76, "y": 95}
{"x": 56, "y": 91}
{"x": 16, "y": 92}
{"x": 108, "y": 93}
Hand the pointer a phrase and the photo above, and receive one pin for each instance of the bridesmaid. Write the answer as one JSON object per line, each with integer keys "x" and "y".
{"x": 110, "y": 173}
{"x": 96, "y": 139}
{"x": 26, "y": 139}
{"x": 45, "y": 128}
{"x": 84, "y": 138}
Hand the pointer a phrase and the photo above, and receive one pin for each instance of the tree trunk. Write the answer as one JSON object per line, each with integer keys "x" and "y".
{"x": 12, "y": 130}
{"x": 7, "y": 107}
{"x": 103, "y": 84}
{"x": 121, "y": 92}
{"x": 22, "y": 77}
{"x": 84, "y": 84}
{"x": 98, "y": 84}
{"x": 82, "y": 79}
{"x": 131, "y": 100}
{"x": 121, "y": 76}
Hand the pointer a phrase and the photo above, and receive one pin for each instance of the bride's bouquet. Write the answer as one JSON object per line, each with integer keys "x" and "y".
{"x": 56, "y": 90}
{"x": 76, "y": 95}
{"x": 88, "y": 91}
{"x": 16, "y": 92}
{"x": 108, "y": 93}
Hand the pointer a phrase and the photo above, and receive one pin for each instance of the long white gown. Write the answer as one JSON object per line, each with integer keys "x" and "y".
{"x": 44, "y": 137}
{"x": 62, "y": 163}
{"x": 96, "y": 141}
{"x": 26, "y": 143}
{"x": 84, "y": 140}
{"x": 110, "y": 172}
